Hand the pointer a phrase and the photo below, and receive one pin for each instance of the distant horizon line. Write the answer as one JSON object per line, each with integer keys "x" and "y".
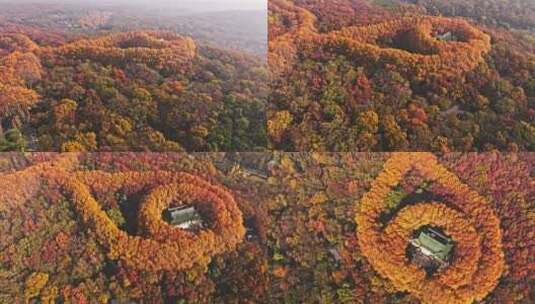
{"x": 258, "y": 4}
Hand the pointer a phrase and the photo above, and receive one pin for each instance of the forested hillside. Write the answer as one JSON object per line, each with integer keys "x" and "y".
{"x": 355, "y": 75}
{"x": 141, "y": 90}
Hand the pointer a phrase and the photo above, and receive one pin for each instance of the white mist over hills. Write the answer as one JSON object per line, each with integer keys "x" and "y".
{"x": 234, "y": 24}
{"x": 188, "y": 5}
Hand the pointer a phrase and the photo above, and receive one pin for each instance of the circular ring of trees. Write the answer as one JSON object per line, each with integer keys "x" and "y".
{"x": 162, "y": 248}
{"x": 160, "y": 50}
{"x": 288, "y": 19}
{"x": 466, "y": 217}
{"x": 411, "y": 44}
{"x": 214, "y": 203}
{"x": 467, "y": 252}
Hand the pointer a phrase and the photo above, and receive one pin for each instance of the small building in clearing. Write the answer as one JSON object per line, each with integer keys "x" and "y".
{"x": 184, "y": 217}
{"x": 431, "y": 249}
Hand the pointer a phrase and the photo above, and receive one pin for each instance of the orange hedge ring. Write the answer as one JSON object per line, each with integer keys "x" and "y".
{"x": 362, "y": 42}
{"x": 468, "y": 218}
{"x": 467, "y": 252}
{"x": 153, "y": 48}
{"x": 429, "y": 55}
{"x": 183, "y": 250}
{"x": 208, "y": 198}
{"x": 173, "y": 249}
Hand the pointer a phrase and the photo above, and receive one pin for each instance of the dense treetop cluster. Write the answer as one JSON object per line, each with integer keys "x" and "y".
{"x": 353, "y": 75}
{"x": 19, "y": 70}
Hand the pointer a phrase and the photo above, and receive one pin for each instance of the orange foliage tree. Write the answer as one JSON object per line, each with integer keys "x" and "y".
{"x": 282, "y": 45}
{"x": 19, "y": 67}
{"x": 16, "y": 188}
{"x": 326, "y": 72}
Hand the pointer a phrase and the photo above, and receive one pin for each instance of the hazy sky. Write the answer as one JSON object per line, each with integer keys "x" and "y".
{"x": 198, "y": 5}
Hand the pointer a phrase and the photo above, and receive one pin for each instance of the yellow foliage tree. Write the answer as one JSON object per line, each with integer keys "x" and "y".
{"x": 34, "y": 284}
{"x": 278, "y": 124}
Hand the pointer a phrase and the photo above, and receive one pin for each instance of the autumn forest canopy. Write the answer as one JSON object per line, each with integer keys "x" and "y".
{"x": 267, "y": 151}
{"x": 344, "y": 75}
{"x": 279, "y": 227}
{"x": 92, "y": 89}
{"x": 354, "y": 75}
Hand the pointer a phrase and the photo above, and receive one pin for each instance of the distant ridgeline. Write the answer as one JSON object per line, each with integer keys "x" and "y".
{"x": 144, "y": 90}
{"x": 350, "y": 75}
